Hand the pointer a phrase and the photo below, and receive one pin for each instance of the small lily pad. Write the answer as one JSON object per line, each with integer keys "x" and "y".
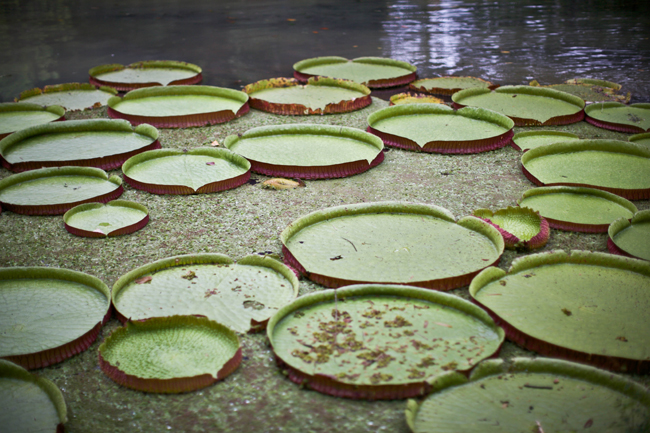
{"x": 145, "y": 74}
{"x": 590, "y": 90}
{"x": 29, "y": 403}
{"x": 15, "y": 116}
{"x": 318, "y": 96}
{"x": 521, "y": 227}
{"x": 407, "y": 98}
{"x": 632, "y": 118}
{"x": 577, "y": 209}
{"x": 115, "y": 218}
{"x": 449, "y": 85}
{"x": 71, "y": 96}
{"x": 197, "y": 171}
{"x": 379, "y": 341}
{"x": 631, "y": 238}
{"x": 533, "y": 139}
{"x": 170, "y": 354}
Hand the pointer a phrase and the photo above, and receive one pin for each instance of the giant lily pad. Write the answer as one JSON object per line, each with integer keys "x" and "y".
{"x": 615, "y": 166}
{"x": 54, "y": 191}
{"x": 318, "y": 96}
{"x": 197, "y": 171}
{"x": 379, "y": 341}
{"x": 619, "y": 117}
{"x": 531, "y": 395}
{"x": 170, "y": 354}
{"x": 407, "y": 98}
{"x": 577, "y": 209}
{"x": 438, "y": 128}
{"x": 115, "y": 218}
{"x": 101, "y": 143}
{"x": 590, "y": 90}
{"x": 582, "y": 306}
{"x": 374, "y": 72}
{"x": 533, "y": 139}
{"x": 29, "y": 403}
{"x": 527, "y": 106}
{"x": 308, "y": 151}
{"x": 145, "y": 74}
{"x": 631, "y": 238}
{"x": 449, "y": 85}
{"x": 640, "y": 139}
{"x": 521, "y": 227}
{"x": 71, "y": 96}
{"x": 48, "y": 314}
{"x": 179, "y": 106}
{"x": 15, "y": 116}
{"x": 390, "y": 242}
{"x": 240, "y": 295}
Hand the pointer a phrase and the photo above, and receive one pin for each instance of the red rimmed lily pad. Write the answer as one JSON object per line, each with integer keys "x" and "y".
{"x": 525, "y": 105}
{"x": 318, "y": 96}
{"x": 71, "y": 96}
{"x": 590, "y": 90}
{"x": 631, "y": 237}
{"x": 29, "y": 403}
{"x": 577, "y": 209}
{"x": 532, "y": 139}
{"x": 145, "y": 74}
{"x": 391, "y": 243}
{"x": 379, "y": 341}
{"x": 449, "y": 85}
{"x": 374, "y": 72}
{"x": 308, "y": 151}
{"x": 521, "y": 227}
{"x": 240, "y": 295}
{"x": 640, "y": 139}
{"x": 179, "y": 106}
{"x": 54, "y": 191}
{"x": 115, "y": 218}
{"x": 100, "y": 143}
{"x": 531, "y": 395}
{"x": 437, "y": 128}
{"x": 196, "y": 171}
{"x": 564, "y": 305}
{"x": 634, "y": 118}
{"x": 170, "y": 354}
{"x": 407, "y": 98}
{"x": 33, "y": 334}
{"x": 618, "y": 167}
{"x": 15, "y": 116}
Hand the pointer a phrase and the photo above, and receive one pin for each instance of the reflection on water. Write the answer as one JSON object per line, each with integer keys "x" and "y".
{"x": 238, "y": 42}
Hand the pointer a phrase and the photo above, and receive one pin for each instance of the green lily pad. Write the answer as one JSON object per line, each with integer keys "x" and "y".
{"x": 632, "y": 118}
{"x": 582, "y": 306}
{"x": 590, "y": 90}
{"x": 521, "y": 227}
{"x": 576, "y": 208}
{"x": 631, "y": 238}
{"x": 170, "y": 354}
{"x": 115, "y": 218}
{"x": 407, "y": 98}
{"x": 35, "y": 334}
{"x": 438, "y": 128}
{"x": 101, "y": 143}
{"x": 54, "y": 191}
{"x": 71, "y": 96}
{"x": 29, "y": 403}
{"x": 379, "y": 341}
{"x": 196, "y": 171}
{"x": 240, "y": 295}
{"x": 145, "y": 74}
{"x": 526, "y": 105}
{"x": 533, "y": 139}
{"x": 640, "y": 139}
{"x": 179, "y": 106}
{"x": 390, "y": 242}
{"x": 374, "y": 72}
{"x": 15, "y": 116}
{"x": 531, "y": 395}
{"x": 318, "y": 96}
{"x": 308, "y": 151}
{"x": 615, "y": 166}
{"x": 449, "y": 85}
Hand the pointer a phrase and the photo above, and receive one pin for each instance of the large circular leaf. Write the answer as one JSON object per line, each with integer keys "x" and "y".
{"x": 390, "y": 242}
{"x": 590, "y": 90}
{"x": 49, "y": 314}
{"x": 240, "y": 295}
{"x": 588, "y": 307}
{"x": 308, "y": 151}
{"x": 117, "y": 217}
{"x": 15, "y": 116}
{"x": 620, "y": 117}
{"x": 379, "y": 341}
{"x": 449, "y": 85}
{"x": 631, "y": 238}
{"x": 533, "y": 139}
{"x": 145, "y": 74}
{"x": 531, "y": 395}
{"x": 71, "y": 96}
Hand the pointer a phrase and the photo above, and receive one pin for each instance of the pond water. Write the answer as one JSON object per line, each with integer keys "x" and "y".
{"x": 239, "y": 42}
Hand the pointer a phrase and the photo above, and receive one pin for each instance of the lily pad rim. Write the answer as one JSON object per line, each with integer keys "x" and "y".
{"x": 581, "y": 190}
{"x": 548, "y": 132}
{"x": 601, "y": 145}
{"x": 6, "y": 107}
{"x": 622, "y": 223}
{"x": 59, "y": 171}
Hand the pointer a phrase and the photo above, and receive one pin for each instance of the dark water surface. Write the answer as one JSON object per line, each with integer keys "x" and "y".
{"x": 238, "y": 42}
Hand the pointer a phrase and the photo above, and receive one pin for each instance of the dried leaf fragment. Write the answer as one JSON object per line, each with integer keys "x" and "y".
{"x": 621, "y": 338}
{"x": 189, "y": 276}
{"x": 215, "y": 143}
{"x": 144, "y": 280}
{"x": 281, "y": 183}
{"x": 567, "y": 311}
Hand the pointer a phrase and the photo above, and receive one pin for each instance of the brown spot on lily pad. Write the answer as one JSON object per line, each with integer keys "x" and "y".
{"x": 144, "y": 280}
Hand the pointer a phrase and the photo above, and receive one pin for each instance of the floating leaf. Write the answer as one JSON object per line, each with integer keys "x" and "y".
{"x": 145, "y": 74}
{"x": 640, "y": 139}
{"x": 533, "y": 139}
{"x": 71, "y": 96}
{"x": 631, "y": 238}
{"x": 15, "y": 116}
{"x": 521, "y": 227}
{"x": 632, "y": 118}
{"x": 449, "y": 85}
{"x": 407, "y": 98}
{"x": 590, "y": 90}
{"x": 115, "y": 218}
